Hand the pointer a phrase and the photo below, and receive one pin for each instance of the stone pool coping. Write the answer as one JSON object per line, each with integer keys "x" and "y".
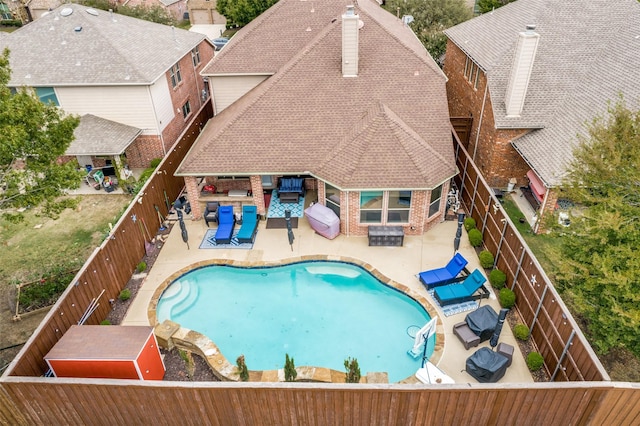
{"x": 171, "y": 334}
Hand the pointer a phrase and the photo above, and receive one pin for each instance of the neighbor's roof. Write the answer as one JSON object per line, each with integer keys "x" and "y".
{"x": 94, "y": 47}
{"x": 386, "y": 128}
{"x": 98, "y": 136}
{"x": 588, "y": 53}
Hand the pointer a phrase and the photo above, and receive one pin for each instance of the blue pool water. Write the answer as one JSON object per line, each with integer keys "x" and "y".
{"x": 320, "y": 313}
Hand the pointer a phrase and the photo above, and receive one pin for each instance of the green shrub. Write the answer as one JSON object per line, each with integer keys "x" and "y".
{"x": 507, "y": 298}
{"x": 486, "y": 259}
{"x": 243, "y": 371}
{"x": 475, "y": 237}
{"x": 469, "y": 223}
{"x": 535, "y": 361}
{"x": 353, "y": 370}
{"x": 105, "y": 322}
{"x": 290, "y": 372}
{"x": 497, "y": 278}
{"x": 141, "y": 266}
{"x": 155, "y": 163}
{"x": 521, "y": 332}
{"x": 125, "y": 294}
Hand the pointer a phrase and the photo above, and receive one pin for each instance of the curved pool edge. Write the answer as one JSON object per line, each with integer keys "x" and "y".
{"x": 226, "y": 371}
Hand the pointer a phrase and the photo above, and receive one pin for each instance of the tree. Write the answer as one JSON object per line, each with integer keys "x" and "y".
{"x": 600, "y": 274}
{"x": 485, "y": 6}
{"x": 241, "y": 12}
{"x": 32, "y": 138}
{"x": 431, "y": 18}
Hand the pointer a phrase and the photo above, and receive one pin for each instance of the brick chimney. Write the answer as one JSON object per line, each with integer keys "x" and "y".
{"x": 350, "y": 26}
{"x": 521, "y": 70}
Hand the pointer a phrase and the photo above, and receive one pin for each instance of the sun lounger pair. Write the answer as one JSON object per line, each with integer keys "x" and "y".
{"x": 472, "y": 288}
{"x": 446, "y": 275}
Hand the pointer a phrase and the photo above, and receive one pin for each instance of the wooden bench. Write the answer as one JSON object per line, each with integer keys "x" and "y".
{"x": 386, "y": 235}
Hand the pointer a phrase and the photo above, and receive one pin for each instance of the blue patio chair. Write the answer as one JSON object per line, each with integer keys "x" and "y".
{"x": 446, "y": 275}
{"x": 249, "y": 227}
{"x": 226, "y": 223}
{"x": 465, "y": 291}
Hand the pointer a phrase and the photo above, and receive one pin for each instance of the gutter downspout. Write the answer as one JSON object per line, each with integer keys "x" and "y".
{"x": 484, "y": 101}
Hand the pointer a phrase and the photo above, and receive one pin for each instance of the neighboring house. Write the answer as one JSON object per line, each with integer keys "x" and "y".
{"x": 531, "y": 74}
{"x": 37, "y": 8}
{"x": 204, "y": 12}
{"x": 347, "y": 99}
{"x": 175, "y": 8}
{"x": 116, "y": 68}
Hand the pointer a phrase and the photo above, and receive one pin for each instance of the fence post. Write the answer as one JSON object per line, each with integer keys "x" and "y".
{"x": 564, "y": 352}
{"x": 535, "y": 316}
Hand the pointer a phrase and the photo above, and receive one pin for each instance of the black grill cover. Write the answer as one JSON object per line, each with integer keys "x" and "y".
{"x": 486, "y": 366}
{"x": 482, "y": 322}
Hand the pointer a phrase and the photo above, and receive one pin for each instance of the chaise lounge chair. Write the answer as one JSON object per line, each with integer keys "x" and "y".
{"x": 226, "y": 223}
{"x": 465, "y": 291}
{"x": 249, "y": 227}
{"x": 447, "y": 275}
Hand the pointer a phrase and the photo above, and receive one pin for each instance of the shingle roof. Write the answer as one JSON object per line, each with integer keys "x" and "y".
{"x": 386, "y": 128}
{"x": 98, "y": 136}
{"x": 109, "y": 49}
{"x": 588, "y": 54}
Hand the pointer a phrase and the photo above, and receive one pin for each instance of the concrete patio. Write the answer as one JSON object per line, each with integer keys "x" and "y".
{"x": 401, "y": 264}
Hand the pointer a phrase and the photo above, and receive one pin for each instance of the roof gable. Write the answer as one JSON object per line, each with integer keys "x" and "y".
{"x": 94, "y": 47}
{"x": 296, "y": 119}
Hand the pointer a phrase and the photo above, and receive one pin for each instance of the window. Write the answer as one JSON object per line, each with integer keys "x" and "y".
{"x": 5, "y": 13}
{"x": 186, "y": 109}
{"x": 385, "y": 207}
{"x": 471, "y": 72}
{"x": 195, "y": 56}
{"x": 176, "y": 77}
{"x": 47, "y": 95}
{"x": 332, "y": 198}
{"x": 371, "y": 207}
{"x": 399, "y": 206}
{"x": 434, "y": 204}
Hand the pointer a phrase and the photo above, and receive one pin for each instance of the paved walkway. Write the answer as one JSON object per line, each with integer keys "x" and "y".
{"x": 401, "y": 264}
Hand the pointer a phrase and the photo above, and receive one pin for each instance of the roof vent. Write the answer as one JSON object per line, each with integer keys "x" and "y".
{"x": 92, "y": 12}
{"x": 67, "y": 11}
{"x": 77, "y": 29}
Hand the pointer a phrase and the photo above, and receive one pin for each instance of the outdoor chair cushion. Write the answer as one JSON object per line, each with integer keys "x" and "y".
{"x": 249, "y": 226}
{"x": 462, "y": 292}
{"x": 226, "y": 223}
{"x": 445, "y": 275}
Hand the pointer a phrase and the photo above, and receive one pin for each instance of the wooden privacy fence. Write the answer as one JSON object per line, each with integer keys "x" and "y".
{"x": 110, "y": 266}
{"x": 567, "y": 354}
{"x": 123, "y": 402}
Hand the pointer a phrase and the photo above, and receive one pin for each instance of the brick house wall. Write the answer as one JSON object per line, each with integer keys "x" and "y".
{"x": 494, "y": 154}
{"x": 187, "y": 90}
{"x": 144, "y": 149}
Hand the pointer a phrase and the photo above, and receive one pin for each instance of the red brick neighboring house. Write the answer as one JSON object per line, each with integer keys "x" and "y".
{"x": 531, "y": 74}
{"x": 347, "y": 98}
{"x": 117, "y": 69}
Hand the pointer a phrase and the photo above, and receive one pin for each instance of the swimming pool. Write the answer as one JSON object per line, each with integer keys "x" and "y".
{"x": 319, "y": 312}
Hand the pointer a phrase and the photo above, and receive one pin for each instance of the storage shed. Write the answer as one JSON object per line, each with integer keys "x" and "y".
{"x": 114, "y": 352}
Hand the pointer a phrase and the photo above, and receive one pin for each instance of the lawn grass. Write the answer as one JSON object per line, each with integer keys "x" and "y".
{"x": 39, "y": 243}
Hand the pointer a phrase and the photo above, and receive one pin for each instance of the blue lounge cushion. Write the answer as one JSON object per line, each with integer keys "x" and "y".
{"x": 249, "y": 225}
{"x": 226, "y": 223}
{"x": 445, "y": 275}
{"x": 459, "y": 292}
